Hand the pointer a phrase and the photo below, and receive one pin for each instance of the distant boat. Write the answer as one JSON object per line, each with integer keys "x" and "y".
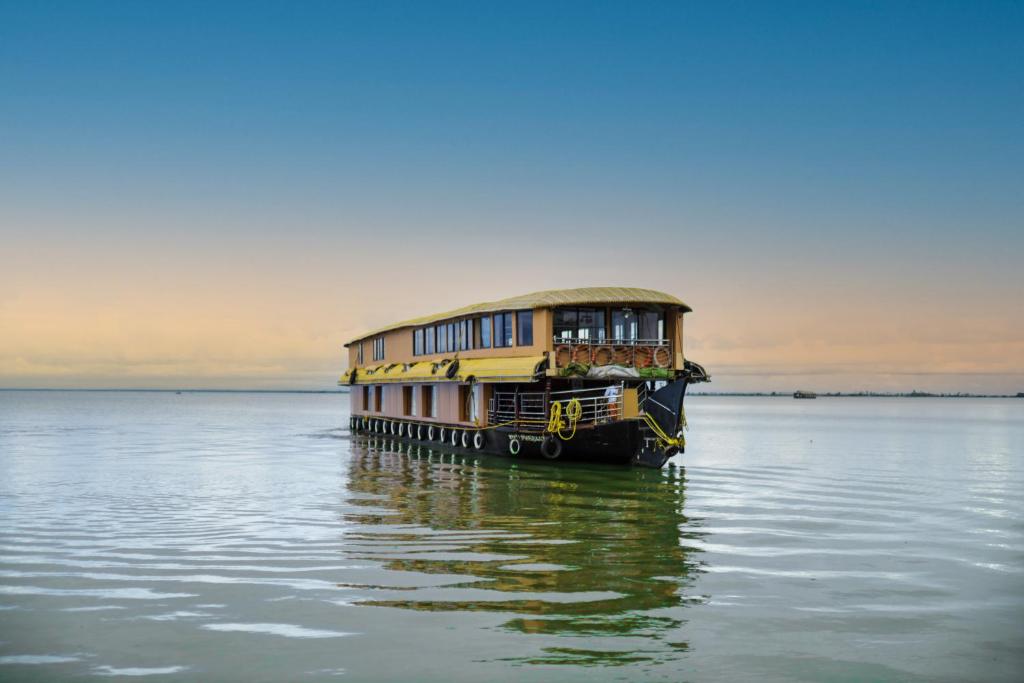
{"x": 804, "y": 394}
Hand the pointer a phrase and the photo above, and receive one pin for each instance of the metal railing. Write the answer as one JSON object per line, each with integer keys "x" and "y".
{"x": 612, "y": 342}
{"x": 532, "y": 409}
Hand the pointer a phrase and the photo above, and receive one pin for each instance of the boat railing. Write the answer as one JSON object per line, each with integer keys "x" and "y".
{"x": 532, "y": 409}
{"x": 597, "y": 405}
{"x": 612, "y": 341}
{"x": 638, "y": 353}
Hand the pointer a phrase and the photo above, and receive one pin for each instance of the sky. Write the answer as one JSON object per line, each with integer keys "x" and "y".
{"x": 220, "y": 195}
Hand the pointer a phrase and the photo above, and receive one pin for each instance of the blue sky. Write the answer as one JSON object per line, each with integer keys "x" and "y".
{"x": 731, "y": 153}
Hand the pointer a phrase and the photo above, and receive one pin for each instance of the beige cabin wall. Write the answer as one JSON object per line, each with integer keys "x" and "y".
{"x": 447, "y": 403}
{"x": 398, "y": 345}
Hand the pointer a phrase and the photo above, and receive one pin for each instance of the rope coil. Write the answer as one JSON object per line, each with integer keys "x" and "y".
{"x": 573, "y": 412}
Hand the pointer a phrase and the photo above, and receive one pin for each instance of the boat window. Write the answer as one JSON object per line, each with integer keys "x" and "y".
{"x": 359, "y": 354}
{"x": 417, "y": 342}
{"x": 484, "y": 327}
{"x": 579, "y": 323}
{"x": 366, "y": 398}
{"x": 502, "y": 329}
{"x": 525, "y": 331}
{"x": 565, "y": 323}
{"x": 378, "y": 348}
{"x": 407, "y": 394}
{"x": 464, "y": 400}
{"x": 428, "y": 341}
{"x": 430, "y": 401}
{"x": 591, "y": 324}
{"x": 462, "y": 337}
{"x": 378, "y": 392}
{"x": 651, "y": 324}
{"x": 451, "y": 337}
{"x": 623, "y": 324}
{"x": 442, "y": 339}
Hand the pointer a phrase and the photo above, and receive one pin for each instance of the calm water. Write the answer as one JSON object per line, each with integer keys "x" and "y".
{"x": 247, "y": 537}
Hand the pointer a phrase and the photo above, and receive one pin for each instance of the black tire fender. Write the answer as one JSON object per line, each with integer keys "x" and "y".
{"x": 452, "y": 370}
{"x": 551, "y": 447}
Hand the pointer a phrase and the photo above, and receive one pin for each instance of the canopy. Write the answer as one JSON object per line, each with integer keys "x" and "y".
{"x": 514, "y": 369}
{"x": 510, "y": 369}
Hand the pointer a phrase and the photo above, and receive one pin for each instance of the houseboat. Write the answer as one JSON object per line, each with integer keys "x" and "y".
{"x": 595, "y": 374}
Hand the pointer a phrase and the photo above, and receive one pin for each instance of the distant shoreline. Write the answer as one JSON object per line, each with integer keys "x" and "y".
{"x": 764, "y": 394}
{"x": 854, "y": 394}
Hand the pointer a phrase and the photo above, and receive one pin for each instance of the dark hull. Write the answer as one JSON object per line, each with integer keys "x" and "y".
{"x": 622, "y": 443}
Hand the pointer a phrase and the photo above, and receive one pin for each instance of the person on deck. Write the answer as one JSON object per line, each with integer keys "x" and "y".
{"x": 612, "y": 395}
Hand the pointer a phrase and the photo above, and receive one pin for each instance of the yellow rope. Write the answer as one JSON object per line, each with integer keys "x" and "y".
{"x": 664, "y": 439}
{"x": 573, "y": 412}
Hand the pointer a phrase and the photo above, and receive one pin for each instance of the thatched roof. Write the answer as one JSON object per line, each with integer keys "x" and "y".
{"x": 546, "y": 299}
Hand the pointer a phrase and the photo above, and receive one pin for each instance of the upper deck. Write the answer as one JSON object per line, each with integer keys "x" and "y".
{"x": 590, "y": 326}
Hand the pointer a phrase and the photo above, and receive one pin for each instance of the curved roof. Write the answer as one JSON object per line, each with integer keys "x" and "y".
{"x": 545, "y": 299}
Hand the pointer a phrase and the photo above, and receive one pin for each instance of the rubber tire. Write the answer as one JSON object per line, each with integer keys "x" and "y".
{"x": 441, "y": 435}
{"x": 430, "y": 433}
{"x": 465, "y": 439}
{"x": 514, "y": 446}
{"x": 455, "y": 437}
{"x": 478, "y": 440}
{"x": 551, "y": 447}
{"x": 419, "y": 432}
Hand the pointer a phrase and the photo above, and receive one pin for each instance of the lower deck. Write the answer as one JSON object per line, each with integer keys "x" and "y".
{"x": 553, "y": 418}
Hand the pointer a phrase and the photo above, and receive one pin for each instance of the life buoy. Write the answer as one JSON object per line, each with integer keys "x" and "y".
{"x": 662, "y": 357}
{"x": 581, "y": 354}
{"x": 563, "y": 355}
{"x": 603, "y": 355}
{"x": 514, "y": 446}
{"x": 551, "y": 447}
{"x": 478, "y": 440}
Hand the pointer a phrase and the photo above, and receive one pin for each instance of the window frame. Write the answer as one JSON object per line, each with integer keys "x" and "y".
{"x": 521, "y": 317}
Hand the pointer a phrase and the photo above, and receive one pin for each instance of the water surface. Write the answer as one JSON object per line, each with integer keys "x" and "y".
{"x": 250, "y": 537}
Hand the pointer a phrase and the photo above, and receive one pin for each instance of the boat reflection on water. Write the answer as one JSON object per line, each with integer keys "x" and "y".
{"x": 581, "y": 551}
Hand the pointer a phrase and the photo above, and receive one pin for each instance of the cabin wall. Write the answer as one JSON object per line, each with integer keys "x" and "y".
{"x": 398, "y": 345}
{"x": 675, "y": 328}
{"x": 448, "y": 403}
